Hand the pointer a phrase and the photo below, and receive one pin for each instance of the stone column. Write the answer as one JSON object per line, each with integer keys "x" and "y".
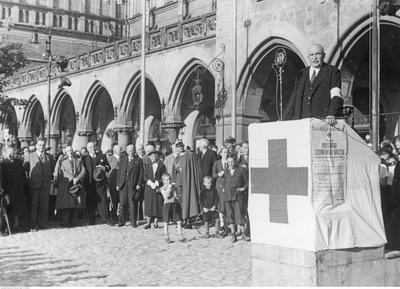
{"x": 172, "y": 130}
{"x": 25, "y": 141}
{"x": 82, "y": 138}
{"x": 124, "y": 136}
{"x": 54, "y": 142}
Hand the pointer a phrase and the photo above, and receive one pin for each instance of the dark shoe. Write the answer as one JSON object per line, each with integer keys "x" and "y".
{"x": 207, "y": 236}
{"x": 168, "y": 240}
{"x": 134, "y": 225}
{"x": 233, "y": 238}
{"x": 182, "y": 240}
{"x": 147, "y": 226}
{"x": 121, "y": 224}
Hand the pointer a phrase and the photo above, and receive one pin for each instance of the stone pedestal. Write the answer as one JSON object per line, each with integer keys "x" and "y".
{"x": 282, "y": 266}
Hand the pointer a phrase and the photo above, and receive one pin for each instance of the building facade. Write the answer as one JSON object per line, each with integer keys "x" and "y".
{"x": 207, "y": 73}
{"x": 76, "y": 25}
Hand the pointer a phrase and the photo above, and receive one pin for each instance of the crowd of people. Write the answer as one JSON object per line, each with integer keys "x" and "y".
{"x": 142, "y": 185}
{"x": 389, "y": 154}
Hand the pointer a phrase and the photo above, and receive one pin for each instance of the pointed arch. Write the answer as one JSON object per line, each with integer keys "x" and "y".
{"x": 90, "y": 98}
{"x": 265, "y": 48}
{"x": 34, "y": 116}
{"x": 187, "y": 70}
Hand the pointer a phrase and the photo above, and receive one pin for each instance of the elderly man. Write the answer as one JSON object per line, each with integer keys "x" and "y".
{"x": 129, "y": 183}
{"x": 206, "y": 158}
{"x": 40, "y": 166}
{"x": 317, "y": 89}
{"x": 114, "y": 161}
{"x": 95, "y": 190}
{"x": 69, "y": 171}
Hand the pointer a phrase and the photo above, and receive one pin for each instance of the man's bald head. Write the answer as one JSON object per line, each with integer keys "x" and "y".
{"x": 316, "y": 55}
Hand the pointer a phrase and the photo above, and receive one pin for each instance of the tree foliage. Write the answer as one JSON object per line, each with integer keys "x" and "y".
{"x": 12, "y": 58}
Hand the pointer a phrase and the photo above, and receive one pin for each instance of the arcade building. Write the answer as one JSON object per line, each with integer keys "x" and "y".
{"x": 211, "y": 70}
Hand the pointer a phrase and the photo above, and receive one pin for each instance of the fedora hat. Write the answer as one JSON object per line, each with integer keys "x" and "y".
{"x": 99, "y": 174}
{"x": 179, "y": 143}
{"x": 153, "y": 152}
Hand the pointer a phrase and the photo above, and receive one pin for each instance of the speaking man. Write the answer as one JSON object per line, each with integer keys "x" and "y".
{"x": 317, "y": 89}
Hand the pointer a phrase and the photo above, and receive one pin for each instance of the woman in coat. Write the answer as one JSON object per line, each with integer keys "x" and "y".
{"x": 153, "y": 200}
{"x": 69, "y": 171}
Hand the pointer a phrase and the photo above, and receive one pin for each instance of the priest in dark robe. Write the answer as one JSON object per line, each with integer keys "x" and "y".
{"x": 188, "y": 183}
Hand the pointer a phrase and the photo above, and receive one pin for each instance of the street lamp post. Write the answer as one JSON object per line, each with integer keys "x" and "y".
{"x": 48, "y": 50}
{"x": 145, "y": 6}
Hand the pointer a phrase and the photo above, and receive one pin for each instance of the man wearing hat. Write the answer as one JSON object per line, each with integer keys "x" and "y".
{"x": 129, "y": 182}
{"x": 96, "y": 165}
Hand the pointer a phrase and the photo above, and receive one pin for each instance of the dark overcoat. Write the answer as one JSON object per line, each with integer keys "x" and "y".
{"x": 130, "y": 178}
{"x": 14, "y": 184}
{"x": 206, "y": 162}
{"x": 153, "y": 200}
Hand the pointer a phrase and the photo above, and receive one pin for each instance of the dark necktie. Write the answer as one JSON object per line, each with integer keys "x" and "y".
{"x": 314, "y": 74}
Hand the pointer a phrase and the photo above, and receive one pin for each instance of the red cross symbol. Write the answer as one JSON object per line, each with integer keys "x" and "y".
{"x": 279, "y": 181}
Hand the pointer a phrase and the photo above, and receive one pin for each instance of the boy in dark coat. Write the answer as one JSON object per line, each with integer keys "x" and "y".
{"x": 209, "y": 202}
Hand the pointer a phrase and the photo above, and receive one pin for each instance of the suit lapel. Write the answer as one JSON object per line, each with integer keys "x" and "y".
{"x": 317, "y": 81}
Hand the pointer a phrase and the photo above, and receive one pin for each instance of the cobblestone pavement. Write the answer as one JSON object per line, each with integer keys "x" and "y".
{"x": 110, "y": 256}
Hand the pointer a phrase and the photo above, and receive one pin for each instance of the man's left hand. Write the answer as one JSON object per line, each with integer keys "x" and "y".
{"x": 330, "y": 119}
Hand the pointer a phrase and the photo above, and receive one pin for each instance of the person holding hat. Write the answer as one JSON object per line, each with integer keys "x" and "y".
{"x": 95, "y": 183}
{"x": 68, "y": 175}
{"x": 153, "y": 200}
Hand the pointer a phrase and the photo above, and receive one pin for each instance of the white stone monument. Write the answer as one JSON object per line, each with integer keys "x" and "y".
{"x": 314, "y": 207}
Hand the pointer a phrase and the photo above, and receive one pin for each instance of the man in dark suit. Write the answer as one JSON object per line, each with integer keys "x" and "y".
{"x": 40, "y": 167}
{"x": 206, "y": 158}
{"x": 317, "y": 90}
{"x": 129, "y": 182}
{"x": 95, "y": 190}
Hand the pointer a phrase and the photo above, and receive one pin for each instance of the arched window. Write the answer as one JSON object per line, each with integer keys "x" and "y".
{"x": 55, "y": 20}
{"x": 91, "y": 27}
{"x": 86, "y": 25}
{"x": 70, "y": 23}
